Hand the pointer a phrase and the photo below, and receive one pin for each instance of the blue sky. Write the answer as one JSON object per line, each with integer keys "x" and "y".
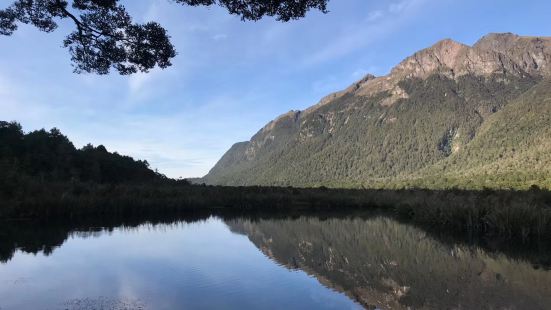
{"x": 232, "y": 77}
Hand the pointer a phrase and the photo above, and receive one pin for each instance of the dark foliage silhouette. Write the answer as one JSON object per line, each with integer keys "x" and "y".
{"x": 43, "y": 176}
{"x": 106, "y": 37}
{"x": 50, "y": 156}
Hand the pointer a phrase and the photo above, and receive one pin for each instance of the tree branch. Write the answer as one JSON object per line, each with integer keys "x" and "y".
{"x": 78, "y": 23}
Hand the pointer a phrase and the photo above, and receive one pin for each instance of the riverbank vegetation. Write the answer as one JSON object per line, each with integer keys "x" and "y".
{"x": 45, "y": 177}
{"x": 523, "y": 215}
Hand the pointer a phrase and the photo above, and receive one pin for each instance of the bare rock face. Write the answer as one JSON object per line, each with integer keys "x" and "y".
{"x": 493, "y": 54}
{"x": 496, "y": 53}
{"x": 530, "y": 54}
{"x": 505, "y": 53}
{"x": 446, "y": 55}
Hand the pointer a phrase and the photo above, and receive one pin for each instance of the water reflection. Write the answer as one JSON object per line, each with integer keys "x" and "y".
{"x": 385, "y": 264}
{"x": 199, "y": 265}
{"x": 206, "y": 262}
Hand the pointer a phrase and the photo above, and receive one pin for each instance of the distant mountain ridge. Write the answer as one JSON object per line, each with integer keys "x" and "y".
{"x": 449, "y": 115}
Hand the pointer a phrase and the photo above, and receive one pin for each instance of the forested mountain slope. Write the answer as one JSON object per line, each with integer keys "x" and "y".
{"x": 449, "y": 115}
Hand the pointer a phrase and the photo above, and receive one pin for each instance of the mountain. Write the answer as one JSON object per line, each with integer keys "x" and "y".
{"x": 451, "y": 115}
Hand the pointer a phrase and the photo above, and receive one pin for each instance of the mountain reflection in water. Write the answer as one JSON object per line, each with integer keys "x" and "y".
{"x": 374, "y": 260}
{"x": 385, "y": 264}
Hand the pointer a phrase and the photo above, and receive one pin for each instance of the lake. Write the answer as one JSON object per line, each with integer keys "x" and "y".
{"x": 306, "y": 262}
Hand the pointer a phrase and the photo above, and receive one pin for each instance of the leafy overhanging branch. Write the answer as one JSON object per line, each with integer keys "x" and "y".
{"x": 106, "y": 37}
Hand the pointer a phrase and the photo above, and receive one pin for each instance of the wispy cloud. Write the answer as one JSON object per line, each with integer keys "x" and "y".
{"x": 399, "y": 7}
{"x": 137, "y": 81}
{"x": 375, "y": 15}
{"x": 220, "y": 36}
{"x": 138, "y": 84}
{"x": 377, "y": 24}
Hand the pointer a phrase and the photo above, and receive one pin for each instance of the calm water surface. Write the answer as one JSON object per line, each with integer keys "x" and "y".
{"x": 302, "y": 263}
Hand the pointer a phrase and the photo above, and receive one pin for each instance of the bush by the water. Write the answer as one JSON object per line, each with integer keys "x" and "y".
{"x": 43, "y": 176}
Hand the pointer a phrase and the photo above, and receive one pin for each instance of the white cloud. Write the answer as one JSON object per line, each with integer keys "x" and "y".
{"x": 399, "y": 7}
{"x": 138, "y": 81}
{"x": 378, "y": 24}
{"x": 375, "y": 15}
{"x": 153, "y": 11}
{"x": 220, "y": 36}
{"x": 143, "y": 86}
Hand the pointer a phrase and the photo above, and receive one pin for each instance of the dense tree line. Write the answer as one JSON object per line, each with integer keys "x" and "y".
{"x": 49, "y": 156}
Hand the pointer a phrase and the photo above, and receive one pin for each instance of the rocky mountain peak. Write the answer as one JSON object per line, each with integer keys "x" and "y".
{"x": 495, "y": 53}
{"x": 500, "y": 42}
{"x": 531, "y": 55}
{"x": 445, "y": 54}
{"x": 501, "y": 53}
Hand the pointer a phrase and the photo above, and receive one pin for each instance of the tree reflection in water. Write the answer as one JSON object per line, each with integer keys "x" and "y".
{"x": 385, "y": 264}
{"x": 375, "y": 260}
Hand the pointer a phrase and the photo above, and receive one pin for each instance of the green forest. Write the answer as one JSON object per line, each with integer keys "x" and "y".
{"x": 471, "y": 133}
{"x": 49, "y": 156}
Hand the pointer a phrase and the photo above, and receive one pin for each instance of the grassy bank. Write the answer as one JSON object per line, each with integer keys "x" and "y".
{"x": 523, "y": 215}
